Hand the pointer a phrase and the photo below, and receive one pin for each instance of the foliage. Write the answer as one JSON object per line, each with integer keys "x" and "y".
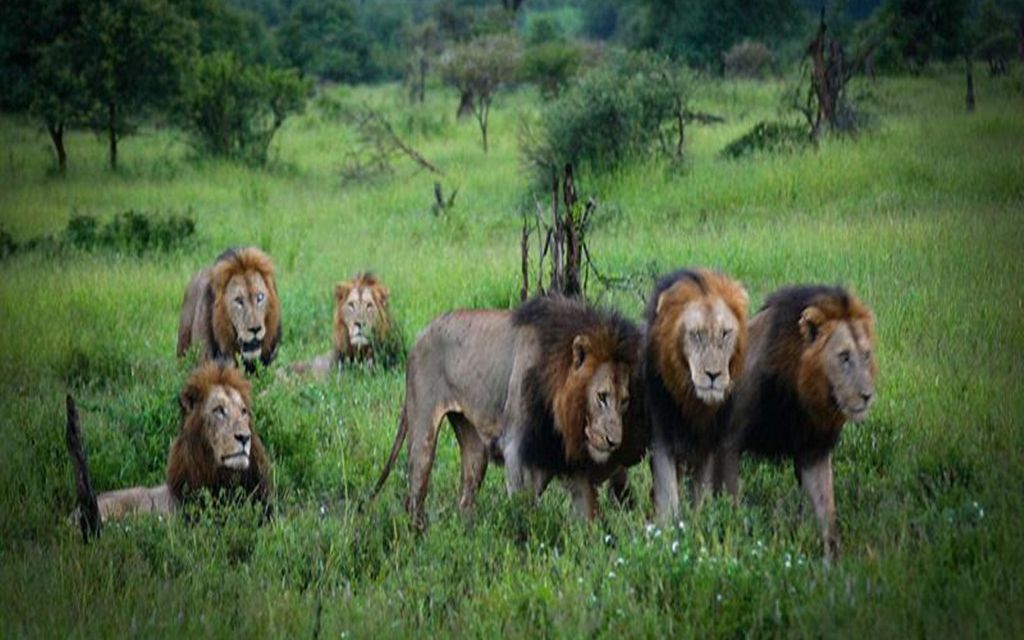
{"x": 134, "y": 55}
{"x": 924, "y": 30}
{"x": 747, "y": 59}
{"x": 768, "y": 137}
{"x": 233, "y": 110}
{"x": 601, "y": 19}
{"x": 631, "y": 106}
{"x": 224, "y": 27}
{"x": 551, "y": 66}
{"x": 135, "y": 232}
{"x": 701, "y": 31}
{"x": 479, "y": 68}
{"x": 992, "y": 36}
{"x": 322, "y": 38}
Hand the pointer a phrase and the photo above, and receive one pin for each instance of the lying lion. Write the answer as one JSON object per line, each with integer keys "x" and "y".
{"x": 363, "y": 330}
{"x": 216, "y": 450}
{"x": 231, "y": 309}
{"x": 542, "y": 389}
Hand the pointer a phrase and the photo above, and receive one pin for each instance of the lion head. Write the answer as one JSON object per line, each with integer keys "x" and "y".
{"x": 836, "y": 368}
{"x": 217, "y": 448}
{"x": 361, "y": 316}
{"x": 246, "y": 311}
{"x": 583, "y": 379}
{"x": 698, "y": 335}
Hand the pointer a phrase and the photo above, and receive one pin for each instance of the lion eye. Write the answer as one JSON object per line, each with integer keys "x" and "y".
{"x": 351, "y": 305}
{"x": 867, "y": 356}
{"x": 260, "y": 297}
{"x": 220, "y": 412}
{"x": 245, "y": 411}
{"x": 602, "y": 397}
{"x": 726, "y": 333}
{"x": 239, "y": 301}
{"x": 844, "y": 357}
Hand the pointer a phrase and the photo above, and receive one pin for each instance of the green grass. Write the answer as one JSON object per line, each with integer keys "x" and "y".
{"x": 922, "y": 216}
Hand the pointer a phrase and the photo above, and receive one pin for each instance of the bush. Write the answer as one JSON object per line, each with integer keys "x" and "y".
{"x": 551, "y": 66}
{"x": 632, "y": 105}
{"x": 233, "y": 110}
{"x": 131, "y": 231}
{"x": 7, "y": 244}
{"x": 748, "y": 59}
{"x": 770, "y": 137}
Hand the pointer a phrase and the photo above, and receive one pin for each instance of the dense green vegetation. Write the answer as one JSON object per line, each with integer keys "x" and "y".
{"x": 922, "y": 215}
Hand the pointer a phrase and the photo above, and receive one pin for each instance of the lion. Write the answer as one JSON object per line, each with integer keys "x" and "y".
{"x": 542, "y": 389}
{"x": 232, "y": 308}
{"x": 363, "y": 329}
{"x": 695, "y": 349}
{"x": 809, "y": 371}
{"x": 216, "y": 450}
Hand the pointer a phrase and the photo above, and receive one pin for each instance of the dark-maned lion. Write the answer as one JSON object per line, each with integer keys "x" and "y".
{"x": 542, "y": 389}
{"x": 697, "y": 334}
{"x": 216, "y": 449}
{"x": 363, "y": 329}
{"x": 809, "y": 370}
{"x": 232, "y": 308}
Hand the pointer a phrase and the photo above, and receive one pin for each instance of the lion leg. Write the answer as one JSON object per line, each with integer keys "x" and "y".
{"x": 816, "y": 479}
{"x": 422, "y": 448}
{"x": 538, "y": 480}
{"x": 702, "y": 480}
{"x": 618, "y": 487}
{"x": 473, "y": 454}
{"x": 584, "y": 496}
{"x": 727, "y": 473}
{"x": 665, "y": 484}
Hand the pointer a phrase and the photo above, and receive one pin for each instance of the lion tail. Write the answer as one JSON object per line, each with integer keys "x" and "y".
{"x": 403, "y": 429}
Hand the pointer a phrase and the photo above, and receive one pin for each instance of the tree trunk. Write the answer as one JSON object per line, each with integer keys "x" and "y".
{"x": 112, "y": 132}
{"x": 465, "y": 105}
{"x": 56, "y": 131}
{"x": 572, "y": 285}
{"x": 970, "y": 83}
{"x": 481, "y": 116}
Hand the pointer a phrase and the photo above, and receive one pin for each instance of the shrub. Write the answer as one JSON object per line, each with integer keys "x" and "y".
{"x": 632, "y": 105}
{"x": 7, "y": 243}
{"x": 768, "y": 137}
{"x": 748, "y": 59}
{"x": 233, "y": 110}
{"x": 551, "y": 66}
{"x": 130, "y": 230}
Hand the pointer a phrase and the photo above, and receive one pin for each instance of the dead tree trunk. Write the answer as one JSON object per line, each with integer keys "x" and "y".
{"x": 572, "y": 286}
{"x": 56, "y": 131}
{"x": 524, "y": 249}
{"x": 556, "y": 248}
{"x": 465, "y": 105}
{"x": 816, "y": 51}
{"x": 969, "y": 70}
{"x": 88, "y": 508}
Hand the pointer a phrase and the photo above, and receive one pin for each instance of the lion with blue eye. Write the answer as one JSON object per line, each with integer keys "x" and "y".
{"x": 231, "y": 310}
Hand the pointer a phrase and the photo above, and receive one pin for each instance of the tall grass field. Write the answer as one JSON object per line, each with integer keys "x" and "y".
{"x": 922, "y": 215}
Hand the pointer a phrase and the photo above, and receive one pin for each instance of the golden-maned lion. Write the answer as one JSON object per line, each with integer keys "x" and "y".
{"x": 363, "y": 329}
{"x": 542, "y": 389}
{"x": 232, "y": 308}
{"x": 697, "y": 335}
{"x": 216, "y": 450}
{"x": 809, "y": 371}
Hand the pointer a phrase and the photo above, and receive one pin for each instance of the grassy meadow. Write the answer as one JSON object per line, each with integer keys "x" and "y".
{"x": 923, "y": 215}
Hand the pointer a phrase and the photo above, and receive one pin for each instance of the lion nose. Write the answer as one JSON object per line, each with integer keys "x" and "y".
{"x": 712, "y": 375}
{"x": 255, "y": 330}
{"x": 242, "y": 439}
{"x": 866, "y": 397}
{"x": 613, "y": 441}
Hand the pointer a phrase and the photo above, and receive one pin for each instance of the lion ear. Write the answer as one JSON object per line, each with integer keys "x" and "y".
{"x": 341, "y": 290}
{"x": 810, "y": 322}
{"x": 580, "y": 345}
{"x": 188, "y": 399}
{"x": 385, "y": 293}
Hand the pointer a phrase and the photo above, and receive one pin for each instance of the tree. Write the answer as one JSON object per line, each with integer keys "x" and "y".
{"x": 134, "y": 54}
{"x": 233, "y": 110}
{"x": 479, "y": 68}
{"x": 423, "y": 44}
{"x": 926, "y": 30}
{"x": 324, "y": 39}
{"x": 224, "y": 27}
{"x": 60, "y": 97}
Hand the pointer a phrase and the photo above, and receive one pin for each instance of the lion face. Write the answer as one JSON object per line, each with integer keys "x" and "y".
{"x": 607, "y": 401}
{"x": 842, "y": 351}
{"x": 246, "y": 296}
{"x": 360, "y": 314}
{"x": 226, "y": 427}
{"x": 708, "y": 332}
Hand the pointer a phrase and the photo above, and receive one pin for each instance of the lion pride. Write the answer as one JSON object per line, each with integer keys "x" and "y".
{"x": 231, "y": 308}
{"x": 216, "y": 450}
{"x": 542, "y": 389}
{"x": 697, "y": 334}
{"x": 810, "y": 369}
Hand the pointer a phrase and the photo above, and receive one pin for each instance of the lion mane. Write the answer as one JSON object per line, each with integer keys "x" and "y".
{"x": 192, "y": 465}
{"x": 205, "y": 317}
{"x": 557, "y": 399}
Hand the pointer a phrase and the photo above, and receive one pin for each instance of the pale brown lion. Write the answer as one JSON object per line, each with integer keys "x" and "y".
{"x": 810, "y": 369}
{"x": 542, "y": 389}
{"x": 232, "y": 308}
{"x": 216, "y": 450}
{"x": 363, "y": 330}
{"x": 696, "y": 342}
